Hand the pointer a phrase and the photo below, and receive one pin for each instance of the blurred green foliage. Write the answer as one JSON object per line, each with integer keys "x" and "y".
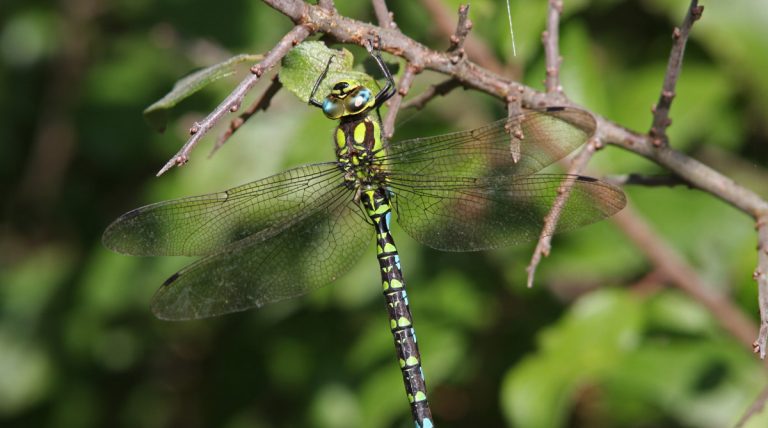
{"x": 79, "y": 347}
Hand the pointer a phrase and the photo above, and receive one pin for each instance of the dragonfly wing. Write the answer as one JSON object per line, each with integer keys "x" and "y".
{"x": 520, "y": 145}
{"x": 473, "y": 214}
{"x": 201, "y": 225}
{"x": 269, "y": 266}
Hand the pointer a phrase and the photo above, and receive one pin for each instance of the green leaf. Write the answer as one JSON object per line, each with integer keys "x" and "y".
{"x": 305, "y": 63}
{"x": 595, "y": 335}
{"x": 157, "y": 113}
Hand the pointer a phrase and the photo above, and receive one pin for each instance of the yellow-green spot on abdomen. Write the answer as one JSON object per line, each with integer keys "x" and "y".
{"x": 395, "y": 283}
{"x": 382, "y": 209}
{"x": 389, "y": 248}
{"x": 402, "y": 363}
{"x": 393, "y": 324}
{"x": 403, "y": 322}
{"x": 359, "y": 133}
{"x": 420, "y": 396}
{"x": 412, "y": 361}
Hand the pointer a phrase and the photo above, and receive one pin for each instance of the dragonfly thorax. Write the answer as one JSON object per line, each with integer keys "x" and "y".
{"x": 359, "y": 150}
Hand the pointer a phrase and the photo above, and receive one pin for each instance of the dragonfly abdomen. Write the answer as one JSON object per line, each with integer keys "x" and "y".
{"x": 376, "y": 203}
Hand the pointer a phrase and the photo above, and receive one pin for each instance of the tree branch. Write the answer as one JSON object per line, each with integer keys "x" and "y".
{"x": 261, "y": 104}
{"x": 234, "y": 99}
{"x": 761, "y": 276}
{"x": 476, "y": 50}
{"x": 514, "y": 109}
{"x": 543, "y": 247}
{"x": 755, "y": 408}
{"x": 661, "y": 110}
{"x": 550, "y": 38}
{"x": 677, "y": 271}
{"x": 646, "y": 180}
{"x": 463, "y": 25}
{"x": 383, "y": 15}
{"x": 388, "y": 127}
{"x": 420, "y": 101}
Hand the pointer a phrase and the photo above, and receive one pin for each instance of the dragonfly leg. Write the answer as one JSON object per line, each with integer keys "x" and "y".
{"x": 312, "y": 100}
{"x": 389, "y": 89}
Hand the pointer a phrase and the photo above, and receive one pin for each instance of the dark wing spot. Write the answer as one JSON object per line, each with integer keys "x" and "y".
{"x": 170, "y": 280}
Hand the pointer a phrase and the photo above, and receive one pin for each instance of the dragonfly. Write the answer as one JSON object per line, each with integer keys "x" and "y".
{"x": 285, "y": 235}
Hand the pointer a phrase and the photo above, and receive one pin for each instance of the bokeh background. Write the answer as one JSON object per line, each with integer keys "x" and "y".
{"x": 600, "y": 341}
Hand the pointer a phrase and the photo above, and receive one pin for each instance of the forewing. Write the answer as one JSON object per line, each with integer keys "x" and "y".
{"x": 201, "y": 225}
{"x": 520, "y": 145}
{"x": 269, "y": 267}
{"x": 473, "y": 214}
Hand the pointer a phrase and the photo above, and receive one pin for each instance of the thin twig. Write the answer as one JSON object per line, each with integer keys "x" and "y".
{"x": 687, "y": 168}
{"x": 444, "y": 22}
{"x": 684, "y": 277}
{"x": 755, "y": 408}
{"x": 420, "y": 101}
{"x": 661, "y": 111}
{"x": 234, "y": 99}
{"x": 261, "y": 104}
{"x": 550, "y": 38}
{"x": 388, "y": 127}
{"x": 463, "y": 25}
{"x": 383, "y": 15}
{"x": 563, "y": 192}
{"x": 761, "y": 276}
{"x": 666, "y": 180}
{"x": 515, "y": 109}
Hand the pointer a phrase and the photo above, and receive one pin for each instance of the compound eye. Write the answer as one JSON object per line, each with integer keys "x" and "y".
{"x": 332, "y": 108}
{"x": 359, "y": 100}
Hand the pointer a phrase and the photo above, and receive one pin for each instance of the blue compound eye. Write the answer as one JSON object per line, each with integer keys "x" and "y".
{"x": 359, "y": 101}
{"x": 332, "y": 108}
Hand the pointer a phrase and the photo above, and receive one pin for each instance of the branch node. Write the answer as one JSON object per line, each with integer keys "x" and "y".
{"x": 680, "y": 35}
{"x": 550, "y": 39}
{"x": 383, "y": 14}
{"x": 463, "y": 25}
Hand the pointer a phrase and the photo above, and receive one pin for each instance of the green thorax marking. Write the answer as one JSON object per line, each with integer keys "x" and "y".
{"x": 359, "y": 149}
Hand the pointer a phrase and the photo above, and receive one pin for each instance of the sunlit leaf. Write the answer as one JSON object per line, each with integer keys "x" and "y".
{"x": 305, "y": 63}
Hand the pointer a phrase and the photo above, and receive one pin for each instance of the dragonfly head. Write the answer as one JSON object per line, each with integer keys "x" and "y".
{"x": 347, "y": 98}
